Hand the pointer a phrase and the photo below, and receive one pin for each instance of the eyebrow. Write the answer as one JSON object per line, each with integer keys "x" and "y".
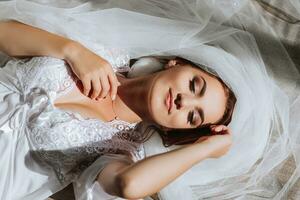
{"x": 203, "y": 89}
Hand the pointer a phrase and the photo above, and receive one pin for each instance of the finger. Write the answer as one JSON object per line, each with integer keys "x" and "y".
{"x": 114, "y": 83}
{"x": 96, "y": 87}
{"x": 86, "y": 86}
{"x": 224, "y": 129}
{"x": 227, "y": 131}
{"x": 215, "y": 128}
{"x": 212, "y": 126}
{"x": 105, "y": 86}
{"x": 220, "y": 128}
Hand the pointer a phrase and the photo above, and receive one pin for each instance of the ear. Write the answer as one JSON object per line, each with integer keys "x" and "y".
{"x": 171, "y": 63}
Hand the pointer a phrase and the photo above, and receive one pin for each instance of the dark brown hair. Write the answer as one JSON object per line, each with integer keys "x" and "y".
{"x": 188, "y": 136}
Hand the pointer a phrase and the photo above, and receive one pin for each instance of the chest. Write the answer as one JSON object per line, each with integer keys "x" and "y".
{"x": 74, "y": 100}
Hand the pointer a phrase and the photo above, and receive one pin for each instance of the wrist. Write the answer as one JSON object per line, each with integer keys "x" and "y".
{"x": 70, "y": 50}
{"x": 209, "y": 149}
{"x": 199, "y": 151}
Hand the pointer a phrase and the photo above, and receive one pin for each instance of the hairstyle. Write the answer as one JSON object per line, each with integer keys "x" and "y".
{"x": 188, "y": 136}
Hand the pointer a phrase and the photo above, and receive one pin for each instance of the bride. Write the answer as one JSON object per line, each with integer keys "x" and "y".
{"x": 73, "y": 116}
{"x": 180, "y": 97}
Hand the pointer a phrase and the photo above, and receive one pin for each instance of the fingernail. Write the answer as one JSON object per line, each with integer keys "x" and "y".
{"x": 113, "y": 97}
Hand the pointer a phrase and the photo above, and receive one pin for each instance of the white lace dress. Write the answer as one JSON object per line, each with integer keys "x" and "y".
{"x": 44, "y": 148}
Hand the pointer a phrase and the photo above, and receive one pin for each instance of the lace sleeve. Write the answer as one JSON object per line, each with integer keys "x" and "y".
{"x": 85, "y": 186}
{"x": 68, "y": 143}
{"x": 48, "y": 73}
{"x": 55, "y": 76}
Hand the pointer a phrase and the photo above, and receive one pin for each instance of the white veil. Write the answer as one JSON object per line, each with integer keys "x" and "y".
{"x": 264, "y": 121}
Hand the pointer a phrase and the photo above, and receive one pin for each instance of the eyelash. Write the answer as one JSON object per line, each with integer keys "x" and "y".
{"x": 191, "y": 113}
{"x": 191, "y": 117}
{"x": 192, "y": 85}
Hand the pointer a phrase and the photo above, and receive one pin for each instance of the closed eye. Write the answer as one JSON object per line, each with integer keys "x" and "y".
{"x": 191, "y": 118}
{"x": 192, "y": 85}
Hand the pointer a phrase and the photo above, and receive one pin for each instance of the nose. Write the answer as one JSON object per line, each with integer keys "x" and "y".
{"x": 183, "y": 101}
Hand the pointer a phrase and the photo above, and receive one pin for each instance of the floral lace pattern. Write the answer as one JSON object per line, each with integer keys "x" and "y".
{"x": 68, "y": 144}
{"x": 64, "y": 140}
{"x": 51, "y": 74}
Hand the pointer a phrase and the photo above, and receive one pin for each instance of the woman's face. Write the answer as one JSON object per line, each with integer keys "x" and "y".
{"x": 185, "y": 97}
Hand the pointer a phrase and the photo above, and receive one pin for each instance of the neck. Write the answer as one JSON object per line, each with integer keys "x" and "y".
{"x": 132, "y": 93}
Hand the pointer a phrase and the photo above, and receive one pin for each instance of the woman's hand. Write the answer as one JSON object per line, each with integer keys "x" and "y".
{"x": 20, "y": 40}
{"x": 95, "y": 73}
{"x": 220, "y": 141}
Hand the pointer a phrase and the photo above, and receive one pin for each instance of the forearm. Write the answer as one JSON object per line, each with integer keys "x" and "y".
{"x": 20, "y": 40}
{"x": 153, "y": 173}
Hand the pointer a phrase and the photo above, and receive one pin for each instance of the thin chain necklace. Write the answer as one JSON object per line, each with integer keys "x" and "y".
{"x": 112, "y": 105}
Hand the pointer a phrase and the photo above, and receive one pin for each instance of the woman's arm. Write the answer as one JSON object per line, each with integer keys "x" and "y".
{"x": 95, "y": 73}
{"x": 20, "y": 40}
{"x": 150, "y": 175}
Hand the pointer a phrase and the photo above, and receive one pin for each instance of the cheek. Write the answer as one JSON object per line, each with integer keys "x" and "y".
{"x": 157, "y": 103}
{"x": 178, "y": 120}
{"x": 181, "y": 83}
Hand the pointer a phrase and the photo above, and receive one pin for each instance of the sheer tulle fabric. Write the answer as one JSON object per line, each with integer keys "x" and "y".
{"x": 295, "y": 5}
{"x": 211, "y": 34}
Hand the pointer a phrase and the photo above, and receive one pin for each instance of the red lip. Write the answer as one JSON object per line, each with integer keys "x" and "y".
{"x": 169, "y": 101}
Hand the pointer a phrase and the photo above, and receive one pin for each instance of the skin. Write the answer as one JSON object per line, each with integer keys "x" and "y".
{"x": 154, "y": 88}
{"x": 152, "y": 91}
